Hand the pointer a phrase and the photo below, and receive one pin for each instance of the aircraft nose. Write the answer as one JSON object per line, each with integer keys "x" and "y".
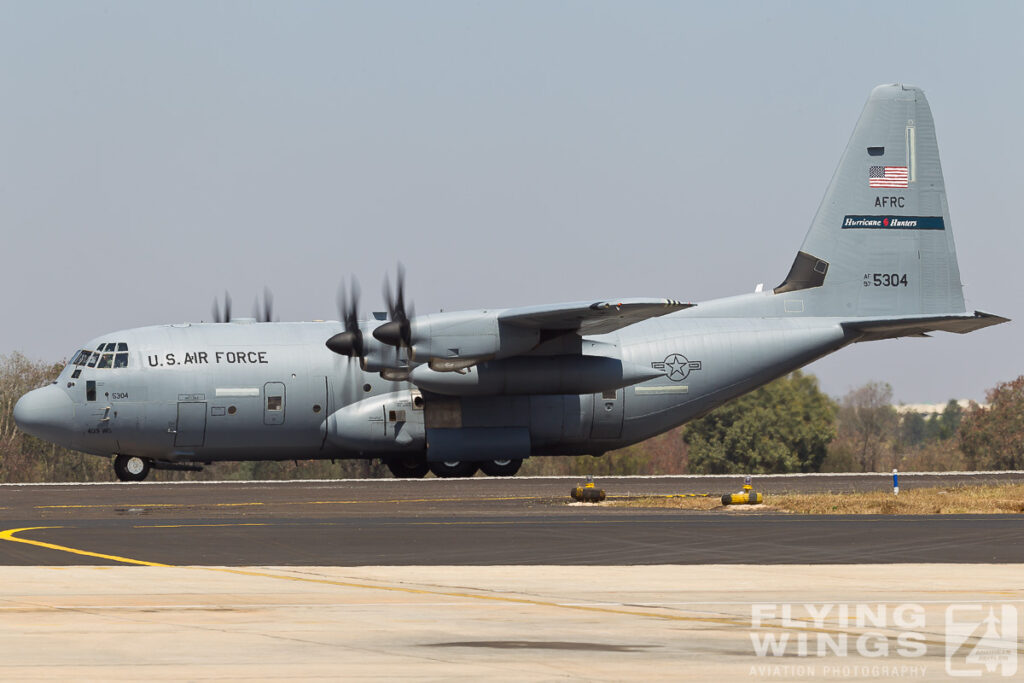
{"x": 45, "y": 413}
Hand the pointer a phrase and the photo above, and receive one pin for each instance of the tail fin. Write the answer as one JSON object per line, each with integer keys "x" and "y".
{"x": 881, "y": 244}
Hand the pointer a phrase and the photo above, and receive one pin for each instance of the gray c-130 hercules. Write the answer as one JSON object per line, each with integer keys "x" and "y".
{"x": 454, "y": 392}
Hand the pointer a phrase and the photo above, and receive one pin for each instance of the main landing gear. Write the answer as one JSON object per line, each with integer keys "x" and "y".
{"x": 131, "y": 467}
{"x": 415, "y": 466}
{"x": 407, "y": 466}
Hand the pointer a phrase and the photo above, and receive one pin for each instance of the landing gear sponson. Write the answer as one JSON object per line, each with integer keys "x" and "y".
{"x": 135, "y": 468}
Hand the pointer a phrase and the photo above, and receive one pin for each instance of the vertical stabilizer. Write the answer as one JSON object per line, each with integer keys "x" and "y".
{"x": 881, "y": 243}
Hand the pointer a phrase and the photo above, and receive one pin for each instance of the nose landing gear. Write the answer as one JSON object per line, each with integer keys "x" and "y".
{"x": 131, "y": 467}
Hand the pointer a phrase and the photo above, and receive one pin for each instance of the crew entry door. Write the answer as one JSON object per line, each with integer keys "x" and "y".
{"x": 191, "y": 429}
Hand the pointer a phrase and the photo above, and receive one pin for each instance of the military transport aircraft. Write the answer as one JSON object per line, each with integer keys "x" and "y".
{"x": 455, "y": 392}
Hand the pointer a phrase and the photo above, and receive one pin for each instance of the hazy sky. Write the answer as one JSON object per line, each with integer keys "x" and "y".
{"x": 153, "y": 155}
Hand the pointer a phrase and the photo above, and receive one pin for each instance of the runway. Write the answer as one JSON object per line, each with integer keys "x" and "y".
{"x": 476, "y": 522}
{"x": 449, "y": 579}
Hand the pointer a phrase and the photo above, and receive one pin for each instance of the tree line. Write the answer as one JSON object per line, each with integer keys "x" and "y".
{"x": 788, "y": 425}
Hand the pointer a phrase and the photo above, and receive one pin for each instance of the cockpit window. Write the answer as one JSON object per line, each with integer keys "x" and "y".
{"x": 107, "y": 355}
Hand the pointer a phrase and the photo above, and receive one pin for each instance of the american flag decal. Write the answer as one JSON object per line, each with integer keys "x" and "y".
{"x": 887, "y": 176}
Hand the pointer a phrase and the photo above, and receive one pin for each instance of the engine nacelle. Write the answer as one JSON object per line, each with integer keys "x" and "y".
{"x": 445, "y": 339}
{"x": 379, "y": 424}
{"x": 564, "y": 374}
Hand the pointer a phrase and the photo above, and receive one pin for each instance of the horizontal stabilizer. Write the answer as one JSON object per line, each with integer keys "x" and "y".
{"x": 918, "y": 326}
{"x": 586, "y": 317}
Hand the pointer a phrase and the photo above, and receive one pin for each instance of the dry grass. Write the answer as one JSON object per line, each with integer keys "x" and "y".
{"x": 1007, "y": 499}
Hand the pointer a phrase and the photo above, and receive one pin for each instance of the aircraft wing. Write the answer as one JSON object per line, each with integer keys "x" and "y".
{"x": 586, "y": 317}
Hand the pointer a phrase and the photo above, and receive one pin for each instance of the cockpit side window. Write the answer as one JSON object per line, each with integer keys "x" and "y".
{"x": 121, "y": 359}
{"x": 106, "y": 360}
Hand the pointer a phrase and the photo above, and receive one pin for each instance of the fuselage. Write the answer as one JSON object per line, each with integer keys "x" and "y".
{"x": 246, "y": 391}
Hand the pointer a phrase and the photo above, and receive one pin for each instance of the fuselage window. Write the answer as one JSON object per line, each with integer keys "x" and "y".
{"x": 106, "y": 360}
{"x": 92, "y": 359}
{"x": 275, "y": 402}
{"x": 121, "y": 360}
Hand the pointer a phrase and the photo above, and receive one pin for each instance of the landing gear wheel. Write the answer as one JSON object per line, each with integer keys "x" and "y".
{"x": 500, "y": 468}
{"x": 407, "y": 466}
{"x": 131, "y": 467}
{"x": 448, "y": 470}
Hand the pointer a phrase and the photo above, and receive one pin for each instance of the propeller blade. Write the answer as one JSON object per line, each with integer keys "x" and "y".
{"x": 398, "y": 331}
{"x": 268, "y": 305}
{"x": 218, "y": 315}
{"x": 350, "y": 342}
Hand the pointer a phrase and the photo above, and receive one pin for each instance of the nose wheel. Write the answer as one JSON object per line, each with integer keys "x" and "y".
{"x": 131, "y": 467}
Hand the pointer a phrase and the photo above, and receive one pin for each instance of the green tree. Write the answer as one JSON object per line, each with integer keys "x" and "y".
{"x": 784, "y": 426}
{"x": 912, "y": 428}
{"x": 868, "y": 427}
{"x": 992, "y": 438}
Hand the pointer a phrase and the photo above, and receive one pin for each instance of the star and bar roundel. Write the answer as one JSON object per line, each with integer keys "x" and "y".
{"x": 676, "y": 366}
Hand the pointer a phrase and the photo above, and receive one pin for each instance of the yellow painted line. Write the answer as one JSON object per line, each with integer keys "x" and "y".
{"x": 142, "y": 505}
{"x": 190, "y": 525}
{"x": 293, "y": 502}
{"x": 9, "y": 535}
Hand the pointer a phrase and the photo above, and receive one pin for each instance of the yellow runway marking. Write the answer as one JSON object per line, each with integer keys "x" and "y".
{"x": 143, "y": 505}
{"x": 293, "y": 502}
{"x": 190, "y": 525}
{"x": 8, "y": 535}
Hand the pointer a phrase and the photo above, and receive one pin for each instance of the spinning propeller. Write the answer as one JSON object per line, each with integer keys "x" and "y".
{"x": 218, "y": 315}
{"x": 263, "y": 314}
{"x": 397, "y": 332}
{"x": 266, "y": 314}
{"x": 350, "y": 342}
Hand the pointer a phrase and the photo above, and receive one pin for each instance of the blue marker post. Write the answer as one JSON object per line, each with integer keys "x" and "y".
{"x": 895, "y": 483}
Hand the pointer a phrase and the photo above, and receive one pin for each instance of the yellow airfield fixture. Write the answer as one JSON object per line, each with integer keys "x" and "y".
{"x": 745, "y": 497}
{"x": 588, "y": 493}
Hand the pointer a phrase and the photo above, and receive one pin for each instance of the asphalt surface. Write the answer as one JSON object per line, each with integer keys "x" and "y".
{"x": 479, "y": 522}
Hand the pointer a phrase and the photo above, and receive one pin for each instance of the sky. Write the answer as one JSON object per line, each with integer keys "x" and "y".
{"x": 154, "y": 155}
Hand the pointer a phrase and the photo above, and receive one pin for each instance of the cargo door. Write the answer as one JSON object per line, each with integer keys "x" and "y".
{"x": 191, "y": 428}
{"x": 608, "y": 412}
